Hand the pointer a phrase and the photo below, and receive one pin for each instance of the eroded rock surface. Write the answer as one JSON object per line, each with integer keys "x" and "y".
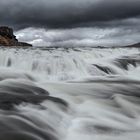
{"x": 7, "y": 38}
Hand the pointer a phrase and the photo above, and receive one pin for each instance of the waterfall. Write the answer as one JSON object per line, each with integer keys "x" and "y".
{"x": 69, "y": 94}
{"x": 68, "y": 64}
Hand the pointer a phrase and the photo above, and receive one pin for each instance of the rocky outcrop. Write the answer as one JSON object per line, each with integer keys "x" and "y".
{"x": 7, "y": 38}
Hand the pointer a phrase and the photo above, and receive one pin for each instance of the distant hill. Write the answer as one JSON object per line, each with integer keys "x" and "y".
{"x": 133, "y": 45}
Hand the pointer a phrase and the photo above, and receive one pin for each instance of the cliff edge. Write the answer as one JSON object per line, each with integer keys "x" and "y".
{"x": 7, "y": 38}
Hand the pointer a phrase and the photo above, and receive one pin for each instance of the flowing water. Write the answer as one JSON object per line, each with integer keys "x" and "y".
{"x": 70, "y": 94}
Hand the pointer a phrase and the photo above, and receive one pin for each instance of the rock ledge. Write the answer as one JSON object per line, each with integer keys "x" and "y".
{"x": 7, "y": 38}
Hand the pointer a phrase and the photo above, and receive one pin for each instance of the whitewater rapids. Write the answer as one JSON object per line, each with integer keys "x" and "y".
{"x": 70, "y": 94}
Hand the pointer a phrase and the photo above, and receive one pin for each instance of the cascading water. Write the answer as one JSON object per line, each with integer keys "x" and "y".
{"x": 70, "y": 94}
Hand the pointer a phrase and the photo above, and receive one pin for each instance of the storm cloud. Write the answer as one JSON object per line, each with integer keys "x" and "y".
{"x": 73, "y": 22}
{"x": 66, "y": 13}
{"x": 80, "y": 37}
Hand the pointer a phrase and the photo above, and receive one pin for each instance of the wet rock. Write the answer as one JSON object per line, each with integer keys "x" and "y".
{"x": 15, "y": 93}
{"x": 8, "y": 101}
{"x": 105, "y": 69}
{"x": 125, "y": 62}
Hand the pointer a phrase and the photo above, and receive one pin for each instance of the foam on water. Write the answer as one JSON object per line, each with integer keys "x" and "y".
{"x": 70, "y": 94}
{"x": 67, "y": 64}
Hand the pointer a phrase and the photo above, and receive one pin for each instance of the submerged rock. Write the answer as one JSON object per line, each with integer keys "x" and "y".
{"x": 16, "y": 92}
{"x": 7, "y": 38}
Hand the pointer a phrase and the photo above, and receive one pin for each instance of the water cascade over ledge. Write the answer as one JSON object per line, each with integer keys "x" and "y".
{"x": 69, "y": 94}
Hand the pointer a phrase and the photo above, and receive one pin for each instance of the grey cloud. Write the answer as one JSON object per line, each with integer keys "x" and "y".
{"x": 73, "y": 22}
{"x": 66, "y": 13}
{"x": 79, "y": 36}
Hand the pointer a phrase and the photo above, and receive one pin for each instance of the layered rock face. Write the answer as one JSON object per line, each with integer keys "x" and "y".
{"x": 7, "y": 38}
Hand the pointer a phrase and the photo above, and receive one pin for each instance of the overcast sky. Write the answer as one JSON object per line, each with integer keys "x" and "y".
{"x": 73, "y": 22}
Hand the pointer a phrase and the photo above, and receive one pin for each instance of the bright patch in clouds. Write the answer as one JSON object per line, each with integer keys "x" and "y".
{"x": 78, "y": 37}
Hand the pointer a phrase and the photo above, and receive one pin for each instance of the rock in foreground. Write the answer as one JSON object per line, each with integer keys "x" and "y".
{"x": 7, "y": 38}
